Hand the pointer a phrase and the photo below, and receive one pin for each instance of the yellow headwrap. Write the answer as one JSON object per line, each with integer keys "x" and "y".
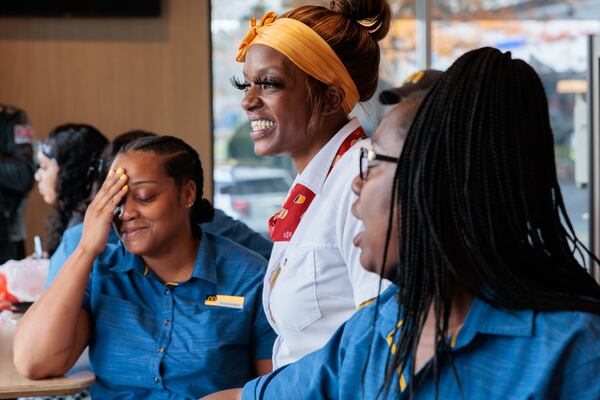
{"x": 305, "y": 48}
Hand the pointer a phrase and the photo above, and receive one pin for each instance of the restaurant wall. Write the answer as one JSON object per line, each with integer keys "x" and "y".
{"x": 117, "y": 74}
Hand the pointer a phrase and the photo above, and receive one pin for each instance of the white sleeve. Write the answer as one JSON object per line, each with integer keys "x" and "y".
{"x": 365, "y": 284}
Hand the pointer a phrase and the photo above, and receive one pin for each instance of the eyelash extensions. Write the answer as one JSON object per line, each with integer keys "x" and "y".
{"x": 266, "y": 82}
{"x": 238, "y": 84}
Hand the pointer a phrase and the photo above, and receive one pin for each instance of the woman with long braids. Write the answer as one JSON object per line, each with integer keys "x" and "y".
{"x": 68, "y": 164}
{"x": 304, "y": 71}
{"x": 490, "y": 301}
{"x": 170, "y": 311}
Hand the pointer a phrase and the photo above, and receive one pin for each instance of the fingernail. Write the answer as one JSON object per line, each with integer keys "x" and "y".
{"x": 119, "y": 170}
{"x": 111, "y": 172}
{"x": 124, "y": 188}
{"x": 123, "y": 176}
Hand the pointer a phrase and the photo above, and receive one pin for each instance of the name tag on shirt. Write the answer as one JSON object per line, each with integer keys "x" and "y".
{"x": 225, "y": 301}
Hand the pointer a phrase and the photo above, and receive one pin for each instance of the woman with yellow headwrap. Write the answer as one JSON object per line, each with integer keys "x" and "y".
{"x": 304, "y": 71}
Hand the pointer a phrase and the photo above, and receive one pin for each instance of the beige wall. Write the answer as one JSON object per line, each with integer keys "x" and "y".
{"x": 116, "y": 74}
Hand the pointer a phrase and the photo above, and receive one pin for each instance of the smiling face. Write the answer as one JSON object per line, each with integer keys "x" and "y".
{"x": 46, "y": 177}
{"x": 154, "y": 212}
{"x": 375, "y": 194}
{"x": 275, "y": 100}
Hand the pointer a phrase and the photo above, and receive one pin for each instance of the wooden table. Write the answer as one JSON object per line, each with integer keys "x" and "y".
{"x": 13, "y": 384}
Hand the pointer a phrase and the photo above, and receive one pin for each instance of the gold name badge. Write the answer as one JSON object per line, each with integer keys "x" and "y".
{"x": 225, "y": 301}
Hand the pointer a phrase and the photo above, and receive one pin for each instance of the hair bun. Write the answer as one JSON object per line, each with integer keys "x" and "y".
{"x": 203, "y": 211}
{"x": 373, "y": 15}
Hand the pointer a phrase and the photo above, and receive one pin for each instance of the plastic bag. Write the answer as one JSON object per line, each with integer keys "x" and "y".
{"x": 25, "y": 279}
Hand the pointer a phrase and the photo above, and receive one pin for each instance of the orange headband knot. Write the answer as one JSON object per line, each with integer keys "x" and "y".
{"x": 267, "y": 19}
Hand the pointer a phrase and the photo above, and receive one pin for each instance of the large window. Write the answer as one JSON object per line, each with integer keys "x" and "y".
{"x": 551, "y": 35}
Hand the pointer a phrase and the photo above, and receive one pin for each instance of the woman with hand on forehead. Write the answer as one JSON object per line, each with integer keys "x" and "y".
{"x": 171, "y": 311}
{"x": 303, "y": 73}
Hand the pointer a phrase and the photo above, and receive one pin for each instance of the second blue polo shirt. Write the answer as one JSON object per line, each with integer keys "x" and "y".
{"x": 185, "y": 340}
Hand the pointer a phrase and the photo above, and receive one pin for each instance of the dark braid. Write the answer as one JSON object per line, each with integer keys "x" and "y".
{"x": 481, "y": 207}
{"x": 181, "y": 163}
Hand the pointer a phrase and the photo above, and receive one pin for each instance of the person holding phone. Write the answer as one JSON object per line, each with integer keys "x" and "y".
{"x": 170, "y": 311}
{"x": 222, "y": 224}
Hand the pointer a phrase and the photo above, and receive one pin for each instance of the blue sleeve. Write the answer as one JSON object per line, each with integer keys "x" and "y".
{"x": 224, "y": 225}
{"x": 312, "y": 377}
{"x": 66, "y": 247}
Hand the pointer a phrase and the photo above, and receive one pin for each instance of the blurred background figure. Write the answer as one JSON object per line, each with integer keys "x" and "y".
{"x": 16, "y": 179}
{"x": 69, "y": 161}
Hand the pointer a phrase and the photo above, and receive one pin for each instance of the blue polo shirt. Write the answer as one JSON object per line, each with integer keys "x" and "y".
{"x": 498, "y": 354}
{"x": 222, "y": 224}
{"x": 176, "y": 341}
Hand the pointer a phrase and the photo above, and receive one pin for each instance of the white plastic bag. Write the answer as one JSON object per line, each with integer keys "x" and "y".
{"x": 26, "y": 278}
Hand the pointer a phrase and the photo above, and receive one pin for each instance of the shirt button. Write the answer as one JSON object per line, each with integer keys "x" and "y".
{"x": 166, "y": 292}
{"x": 161, "y": 350}
{"x": 166, "y": 322}
{"x": 156, "y": 381}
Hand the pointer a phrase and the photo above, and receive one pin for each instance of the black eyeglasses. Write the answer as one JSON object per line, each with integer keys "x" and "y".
{"x": 367, "y": 156}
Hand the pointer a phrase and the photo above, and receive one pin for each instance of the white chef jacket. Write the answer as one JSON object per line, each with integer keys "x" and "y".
{"x": 321, "y": 281}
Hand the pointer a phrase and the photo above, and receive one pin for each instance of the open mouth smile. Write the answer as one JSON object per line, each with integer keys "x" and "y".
{"x": 261, "y": 128}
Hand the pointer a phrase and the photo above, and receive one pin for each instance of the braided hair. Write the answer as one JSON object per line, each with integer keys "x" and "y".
{"x": 182, "y": 163}
{"x": 76, "y": 149}
{"x": 481, "y": 207}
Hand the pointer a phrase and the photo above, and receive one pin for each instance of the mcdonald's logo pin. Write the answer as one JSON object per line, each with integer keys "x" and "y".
{"x": 299, "y": 199}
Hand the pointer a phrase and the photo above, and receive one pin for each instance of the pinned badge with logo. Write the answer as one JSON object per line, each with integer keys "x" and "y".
{"x": 299, "y": 199}
{"x": 225, "y": 301}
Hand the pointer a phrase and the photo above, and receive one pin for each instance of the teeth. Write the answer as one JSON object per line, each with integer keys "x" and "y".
{"x": 261, "y": 124}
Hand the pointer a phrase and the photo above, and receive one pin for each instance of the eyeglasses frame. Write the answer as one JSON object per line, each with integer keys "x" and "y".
{"x": 370, "y": 155}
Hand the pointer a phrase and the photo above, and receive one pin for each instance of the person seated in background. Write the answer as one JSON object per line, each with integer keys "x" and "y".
{"x": 169, "y": 311}
{"x": 490, "y": 301}
{"x": 222, "y": 224}
{"x": 16, "y": 179}
{"x": 69, "y": 160}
